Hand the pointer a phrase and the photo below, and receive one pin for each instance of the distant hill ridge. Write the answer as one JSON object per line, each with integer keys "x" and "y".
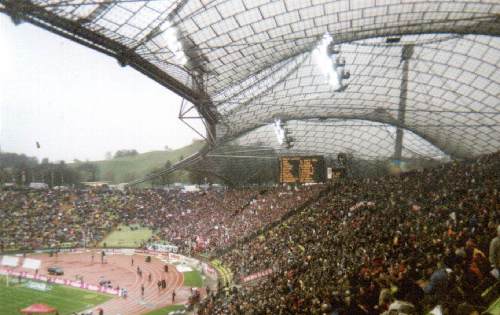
{"x": 128, "y": 168}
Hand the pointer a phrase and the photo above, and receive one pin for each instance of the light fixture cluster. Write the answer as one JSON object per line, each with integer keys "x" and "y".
{"x": 279, "y": 130}
{"x": 329, "y": 60}
{"x": 169, "y": 33}
{"x": 282, "y": 134}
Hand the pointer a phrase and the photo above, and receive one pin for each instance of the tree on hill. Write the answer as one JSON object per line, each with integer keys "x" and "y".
{"x": 125, "y": 152}
{"x": 23, "y": 170}
{"x": 167, "y": 179}
{"x": 196, "y": 178}
{"x": 88, "y": 171}
{"x": 109, "y": 176}
{"x": 164, "y": 179}
{"x": 14, "y": 160}
{"x": 128, "y": 177}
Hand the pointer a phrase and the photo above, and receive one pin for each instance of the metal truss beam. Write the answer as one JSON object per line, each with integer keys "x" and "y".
{"x": 188, "y": 161}
{"x": 406, "y": 55}
{"x": 25, "y": 11}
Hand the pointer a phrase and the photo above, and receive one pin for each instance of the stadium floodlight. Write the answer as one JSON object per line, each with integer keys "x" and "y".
{"x": 339, "y": 62}
{"x": 279, "y": 131}
{"x": 169, "y": 34}
{"x": 327, "y": 57}
{"x": 332, "y": 49}
{"x": 289, "y": 142}
{"x": 342, "y": 75}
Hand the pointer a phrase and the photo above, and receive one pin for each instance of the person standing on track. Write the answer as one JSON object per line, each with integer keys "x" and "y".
{"x": 173, "y": 296}
{"x": 150, "y": 277}
{"x": 159, "y": 285}
{"x": 132, "y": 261}
{"x": 142, "y": 290}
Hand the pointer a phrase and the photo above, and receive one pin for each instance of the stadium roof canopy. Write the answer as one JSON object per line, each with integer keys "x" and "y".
{"x": 420, "y": 77}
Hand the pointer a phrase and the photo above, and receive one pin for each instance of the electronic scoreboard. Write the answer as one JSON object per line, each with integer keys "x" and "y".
{"x": 302, "y": 169}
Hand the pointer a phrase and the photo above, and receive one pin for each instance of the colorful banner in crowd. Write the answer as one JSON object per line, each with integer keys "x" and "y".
{"x": 257, "y": 275}
{"x": 56, "y": 280}
{"x": 208, "y": 270}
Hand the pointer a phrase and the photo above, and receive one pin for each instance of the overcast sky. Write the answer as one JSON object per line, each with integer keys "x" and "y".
{"x": 77, "y": 103}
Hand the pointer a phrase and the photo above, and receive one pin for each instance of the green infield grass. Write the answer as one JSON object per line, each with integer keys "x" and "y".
{"x": 65, "y": 299}
{"x": 123, "y": 236}
{"x": 193, "y": 279}
{"x": 165, "y": 310}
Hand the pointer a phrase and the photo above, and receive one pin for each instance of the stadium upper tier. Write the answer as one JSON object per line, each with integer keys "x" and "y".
{"x": 327, "y": 76}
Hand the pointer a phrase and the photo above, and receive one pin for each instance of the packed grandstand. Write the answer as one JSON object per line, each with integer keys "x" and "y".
{"x": 350, "y": 164}
{"x": 353, "y": 247}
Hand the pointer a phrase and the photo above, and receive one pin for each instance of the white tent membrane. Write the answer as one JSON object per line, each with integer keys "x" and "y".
{"x": 244, "y": 63}
{"x": 367, "y": 139}
{"x": 460, "y": 116}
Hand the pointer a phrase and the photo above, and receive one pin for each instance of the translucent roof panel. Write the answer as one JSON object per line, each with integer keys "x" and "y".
{"x": 363, "y": 139}
{"x": 238, "y": 33}
{"x": 452, "y": 92}
{"x": 243, "y": 63}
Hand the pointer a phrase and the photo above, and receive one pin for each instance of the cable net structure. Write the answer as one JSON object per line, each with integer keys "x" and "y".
{"x": 373, "y": 78}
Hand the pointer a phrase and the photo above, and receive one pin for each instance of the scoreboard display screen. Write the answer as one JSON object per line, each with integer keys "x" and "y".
{"x": 302, "y": 169}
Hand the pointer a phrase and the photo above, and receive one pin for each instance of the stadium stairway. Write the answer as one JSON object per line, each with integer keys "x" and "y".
{"x": 491, "y": 294}
{"x": 225, "y": 273}
{"x": 271, "y": 225}
{"x": 494, "y": 308}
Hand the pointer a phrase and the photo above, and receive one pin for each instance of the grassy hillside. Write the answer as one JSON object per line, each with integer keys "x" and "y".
{"x": 126, "y": 169}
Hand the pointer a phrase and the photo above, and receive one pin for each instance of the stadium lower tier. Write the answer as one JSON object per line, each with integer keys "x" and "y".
{"x": 411, "y": 244}
{"x": 416, "y": 242}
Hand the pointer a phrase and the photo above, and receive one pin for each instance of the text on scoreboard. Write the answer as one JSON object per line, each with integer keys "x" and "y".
{"x": 302, "y": 169}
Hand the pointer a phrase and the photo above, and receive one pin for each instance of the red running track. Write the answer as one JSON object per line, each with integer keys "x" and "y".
{"x": 119, "y": 270}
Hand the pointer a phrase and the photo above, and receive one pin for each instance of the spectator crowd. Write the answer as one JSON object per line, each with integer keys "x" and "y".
{"x": 407, "y": 243}
{"x": 404, "y": 244}
{"x": 194, "y": 221}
